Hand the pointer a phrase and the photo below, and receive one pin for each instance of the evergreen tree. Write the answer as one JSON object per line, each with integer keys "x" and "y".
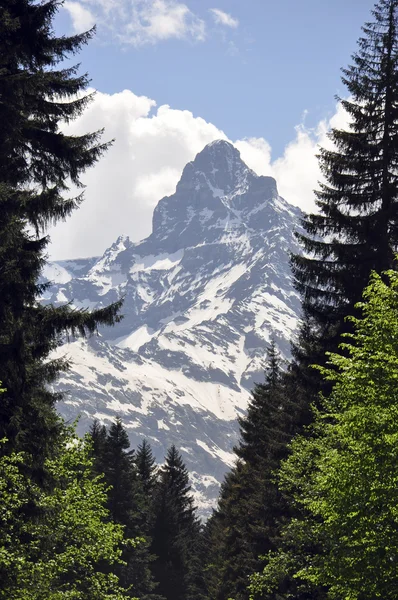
{"x": 175, "y": 534}
{"x": 119, "y": 471}
{"x": 246, "y": 523}
{"x": 37, "y": 162}
{"x": 97, "y": 434}
{"x": 146, "y": 467}
{"x": 264, "y": 430}
{"x": 354, "y": 232}
{"x": 127, "y": 503}
{"x": 356, "y": 229}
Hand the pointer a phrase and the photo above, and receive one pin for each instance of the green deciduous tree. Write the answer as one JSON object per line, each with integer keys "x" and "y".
{"x": 55, "y": 552}
{"x": 343, "y": 475}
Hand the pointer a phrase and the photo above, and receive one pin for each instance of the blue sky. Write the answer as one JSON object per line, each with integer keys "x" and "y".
{"x": 251, "y": 69}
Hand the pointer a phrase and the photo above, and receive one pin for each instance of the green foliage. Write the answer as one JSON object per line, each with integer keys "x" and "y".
{"x": 53, "y": 541}
{"x": 343, "y": 475}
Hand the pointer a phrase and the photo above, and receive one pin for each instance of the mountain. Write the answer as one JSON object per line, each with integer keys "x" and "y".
{"x": 203, "y": 294}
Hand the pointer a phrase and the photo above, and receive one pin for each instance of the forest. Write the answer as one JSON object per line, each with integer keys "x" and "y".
{"x": 309, "y": 511}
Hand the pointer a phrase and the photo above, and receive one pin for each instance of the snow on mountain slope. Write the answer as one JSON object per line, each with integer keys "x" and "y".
{"x": 203, "y": 294}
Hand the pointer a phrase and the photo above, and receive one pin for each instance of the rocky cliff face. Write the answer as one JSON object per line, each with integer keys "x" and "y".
{"x": 203, "y": 293}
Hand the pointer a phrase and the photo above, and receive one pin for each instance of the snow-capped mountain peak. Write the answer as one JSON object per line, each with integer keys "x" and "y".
{"x": 217, "y": 167}
{"x": 217, "y": 192}
{"x": 203, "y": 293}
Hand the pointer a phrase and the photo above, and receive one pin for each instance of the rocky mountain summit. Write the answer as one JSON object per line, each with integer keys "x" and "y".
{"x": 203, "y": 294}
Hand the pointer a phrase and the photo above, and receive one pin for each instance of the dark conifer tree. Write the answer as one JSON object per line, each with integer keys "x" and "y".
{"x": 146, "y": 467}
{"x": 98, "y": 434}
{"x": 127, "y": 503}
{"x": 264, "y": 430}
{"x": 355, "y": 232}
{"x": 247, "y": 521}
{"x": 37, "y": 162}
{"x": 356, "y": 229}
{"x": 120, "y": 473}
{"x": 176, "y": 532}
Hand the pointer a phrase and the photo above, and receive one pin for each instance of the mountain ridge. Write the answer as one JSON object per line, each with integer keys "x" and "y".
{"x": 204, "y": 293}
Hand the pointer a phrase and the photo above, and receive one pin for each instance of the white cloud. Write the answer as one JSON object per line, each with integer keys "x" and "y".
{"x": 145, "y": 163}
{"x": 297, "y": 171}
{"x": 256, "y": 153}
{"x": 223, "y": 18}
{"x": 163, "y": 19}
{"x": 139, "y": 22}
{"x": 82, "y": 18}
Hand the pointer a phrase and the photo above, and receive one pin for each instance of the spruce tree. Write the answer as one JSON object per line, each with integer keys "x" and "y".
{"x": 119, "y": 471}
{"x": 146, "y": 467}
{"x": 97, "y": 435}
{"x": 264, "y": 430}
{"x": 356, "y": 229}
{"x": 247, "y": 521}
{"x": 127, "y": 503}
{"x": 38, "y": 162}
{"x": 146, "y": 470}
{"x": 175, "y": 534}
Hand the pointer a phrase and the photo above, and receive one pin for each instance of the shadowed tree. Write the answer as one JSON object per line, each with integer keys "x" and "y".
{"x": 38, "y": 165}
{"x": 356, "y": 228}
{"x": 176, "y": 533}
{"x": 246, "y": 523}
